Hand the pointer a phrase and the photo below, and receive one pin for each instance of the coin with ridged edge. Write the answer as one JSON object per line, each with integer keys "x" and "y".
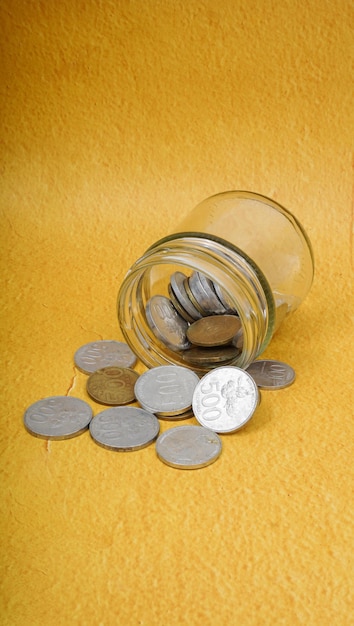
{"x": 177, "y": 285}
{"x": 176, "y": 303}
{"x": 58, "y": 417}
{"x": 188, "y": 447}
{"x": 203, "y": 312}
{"x": 224, "y": 299}
{"x": 124, "y": 429}
{"x": 203, "y": 289}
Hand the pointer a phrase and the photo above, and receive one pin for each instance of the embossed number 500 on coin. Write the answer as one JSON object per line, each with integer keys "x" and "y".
{"x": 225, "y": 399}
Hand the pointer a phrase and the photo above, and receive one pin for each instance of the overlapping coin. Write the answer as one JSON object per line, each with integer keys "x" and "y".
{"x": 124, "y": 428}
{"x": 166, "y": 390}
{"x": 166, "y": 323}
{"x": 214, "y": 330}
{"x": 215, "y": 355}
{"x": 203, "y": 293}
{"x": 112, "y": 385}
{"x": 225, "y": 399}
{"x": 271, "y": 374}
{"x": 198, "y": 313}
{"x": 179, "y": 295}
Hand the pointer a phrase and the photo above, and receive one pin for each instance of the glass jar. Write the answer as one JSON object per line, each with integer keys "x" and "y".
{"x": 254, "y": 250}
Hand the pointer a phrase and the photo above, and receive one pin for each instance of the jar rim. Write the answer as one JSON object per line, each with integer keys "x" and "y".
{"x": 235, "y": 260}
{"x": 223, "y": 242}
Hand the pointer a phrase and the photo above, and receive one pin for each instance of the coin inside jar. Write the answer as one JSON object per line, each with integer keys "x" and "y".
{"x": 178, "y": 289}
{"x": 176, "y": 303}
{"x": 112, "y": 385}
{"x": 211, "y": 355}
{"x": 214, "y": 330}
{"x": 203, "y": 290}
{"x": 166, "y": 323}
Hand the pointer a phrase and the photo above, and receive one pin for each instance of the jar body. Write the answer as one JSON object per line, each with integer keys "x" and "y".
{"x": 252, "y": 248}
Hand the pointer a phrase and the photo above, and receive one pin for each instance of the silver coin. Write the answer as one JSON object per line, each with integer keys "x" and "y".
{"x": 224, "y": 299}
{"x": 58, "y": 417}
{"x": 188, "y": 447}
{"x": 98, "y": 354}
{"x": 166, "y": 390}
{"x": 177, "y": 285}
{"x": 176, "y": 303}
{"x": 271, "y": 374}
{"x": 166, "y": 324}
{"x": 214, "y": 301}
{"x": 202, "y": 289}
{"x": 225, "y": 399}
{"x": 124, "y": 428}
{"x": 238, "y": 340}
{"x": 193, "y": 299}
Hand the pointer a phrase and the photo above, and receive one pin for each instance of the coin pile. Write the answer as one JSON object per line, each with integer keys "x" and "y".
{"x": 222, "y": 401}
{"x": 198, "y": 320}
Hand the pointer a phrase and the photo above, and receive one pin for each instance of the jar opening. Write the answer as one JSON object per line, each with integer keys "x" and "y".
{"x": 242, "y": 283}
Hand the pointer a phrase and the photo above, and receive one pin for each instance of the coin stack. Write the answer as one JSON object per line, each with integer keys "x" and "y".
{"x": 198, "y": 320}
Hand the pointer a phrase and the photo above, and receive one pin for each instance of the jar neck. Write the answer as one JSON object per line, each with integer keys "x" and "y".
{"x": 220, "y": 261}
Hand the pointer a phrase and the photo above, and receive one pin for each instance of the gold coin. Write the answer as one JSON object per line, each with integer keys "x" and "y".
{"x": 213, "y": 330}
{"x": 112, "y": 385}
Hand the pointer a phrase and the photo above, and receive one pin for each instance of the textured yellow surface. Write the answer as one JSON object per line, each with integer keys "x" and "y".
{"x": 117, "y": 118}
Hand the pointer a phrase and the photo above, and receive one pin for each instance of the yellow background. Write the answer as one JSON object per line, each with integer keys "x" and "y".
{"x": 117, "y": 118}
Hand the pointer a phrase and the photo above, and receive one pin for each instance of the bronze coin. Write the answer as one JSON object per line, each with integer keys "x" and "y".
{"x": 214, "y": 330}
{"x": 112, "y": 385}
{"x": 213, "y": 355}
